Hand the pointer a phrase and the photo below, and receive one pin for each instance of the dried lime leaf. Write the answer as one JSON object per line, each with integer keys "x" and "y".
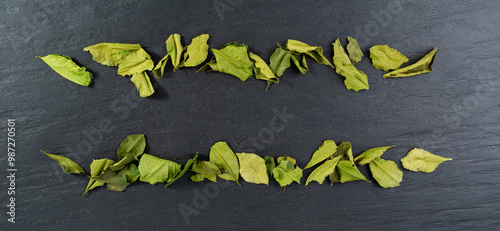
{"x": 355, "y": 53}
{"x": 124, "y": 162}
{"x": 197, "y": 52}
{"x": 419, "y": 160}
{"x": 136, "y": 62}
{"x": 111, "y": 54}
{"x": 322, "y": 153}
{"x": 134, "y": 144}
{"x": 131, "y": 173}
{"x": 200, "y": 177}
{"x": 320, "y": 173}
{"x": 371, "y": 154}
{"x": 386, "y": 58}
{"x": 344, "y": 149}
{"x": 354, "y": 79}
{"x": 231, "y": 59}
{"x": 386, "y": 172}
{"x": 143, "y": 84}
{"x": 225, "y": 159}
{"x": 300, "y": 62}
{"x": 160, "y": 67}
{"x": 157, "y": 170}
{"x": 253, "y": 168}
{"x": 67, "y": 164}
{"x": 270, "y": 164}
{"x": 97, "y": 167}
{"x": 262, "y": 70}
{"x": 279, "y": 61}
{"x": 184, "y": 170}
{"x": 174, "y": 49}
{"x": 205, "y": 167}
{"x": 349, "y": 172}
{"x": 286, "y": 173}
{"x": 422, "y": 66}
{"x": 285, "y": 157}
{"x": 64, "y": 66}
{"x": 115, "y": 182}
{"x": 315, "y": 52}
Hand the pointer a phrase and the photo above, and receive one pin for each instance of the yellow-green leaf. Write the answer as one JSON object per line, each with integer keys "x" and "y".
{"x": 355, "y": 53}
{"x": 322, "y": 153}
{"x": 262, "y": 70}
{"x": 349, "y": 172}
{"x": 115, "y": 182}
{"x": 320, "y": 173}
{"x": 422, "y": 66}
{"x": 253, "y": 168}
{"x": 419, "y": 160}
{"x": 354, "y": 79}
{"x": 285, "y": 157}
{"x": 231, "y": 59}
{"x": 225, "y": 159}
{"x": 200, "y": 177}
{"x": 300, "y": 61}
{"x": 157, "y": 170}
{"x": 136, "y": 62}
{"x": 386, "y": 58}
{"x": 286, "y": 173}
{"x": 111, "y": 54}
{"x": 131, "y": 173}
{"x": 67, "y": 164}
{"x": 97, "y": 167}
{"x": 205, "y": 167}
{"x": 371, "y": 154}
{"x": 184, "y": 170}
{"x": 134, "y": 144}
{"x": 64, "y": 66}
{"x": 159, "y": 69}
{"x": 279, "y": 61}
{"x": 197, "y": 52}
{"x": 143, "y": 84}
{"x": 386, "y": 172}
{"x": 315, "y": 52}
{"x": 122, "y": 163}
{"x": 174, "y": 49}
{"x": 344, "y": 149}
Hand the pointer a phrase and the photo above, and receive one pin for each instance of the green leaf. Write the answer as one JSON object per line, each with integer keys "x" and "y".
{"x": 136, "y": 62}
{"x": 386, "y": 172}
{"x": 300, "y": 62}
{"x": 371, "y": 154}
{"x": 279, "y": 61}
{"x": 285, "y": 173}
{"x": 419, "y": 160}
{"x": 157, "y": 170}
{"x": 335, "y": 176}
{"x": 197, "y": 52}
{"x": 200, "y": 177}
{"x": 262, "y": 70}
{"x": 67, "y": 164}
{"x": 111, "y": 54}
{"x": 160, "y": 67}
{"x": 143, "y": 84}
{"x": 355, "y": 53}
{"x": 386, "y": 58}
{"x": 124, "y": 162}
{"x": 225, "y": 159}
{"x": 270, "y": 164}
{"x": 231, "y": 59}
{"x": 184, "y": 170}
{"x": 285, "y": 157}
{"x": 64, "y": 66}
{"x": 115, "y": 182}
{"x": 97, "y": 167}
{"x": 205, "y": 167}
{"x": 354, "y": 79}
{"x": 315, "y": 52}
{"x": 349, "y": 172}
{"x": 134, "y": 144}
{"x": 424, "y": 65}
{"x": 320, "y": 173}
{"x": 253, "y": 168}
{"x": 174, "y": 49}
{"x": 327, "y": 149}
{"x": 344, "y": 149}
{"x": 131, "y": 173}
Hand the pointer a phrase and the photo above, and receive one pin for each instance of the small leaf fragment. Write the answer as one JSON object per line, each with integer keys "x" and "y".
{"x": 111, "y": 54}
{"x": 279, "y": 61}
{"x": 131, "y": 173}
{"x": 253, "y": 168}
{"x": 115, "y": 182}
{"x": 134, "y": 144}
{"x": 285, "y": 157}
{"x": 159, "y": 69}
{"x": 174, "y": 49}
{"x": 386, "y": 172}
{"x": 143, "y": 84}
{"x": 300, "y": 62}
{"x": 354, "y": 79}
{"x": 327, "y": 149}
{"x": 157, "y": 170}
{"x": 349, "y": 172}
{"x": 344, "y": 149}
{"x": 97, "y": 167}
{"x": 355, "y": 53}
{"x": 285, "y": 173}
{"x": 419, "y": 160}
{"x": 64, "y": 66}
{"x": 200, "y": 177}
{"x": 386, "y": 58}
{"x": 183, "y": 171}
{"x": 225, "y": 159}
{"x": 67, "y": 164}
{"x": 262, "y": 70}
{"x": 270, "y": 164}
{"x": 422, "y": 66}
{"x": 197, "y": 52}
{"x": 124, "y": 162}
{"x": 315, "y": 52}
{"x": 371, "y": 154}
{"x": 320, "y": 173}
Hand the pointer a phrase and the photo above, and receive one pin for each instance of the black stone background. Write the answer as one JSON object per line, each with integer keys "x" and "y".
{"x": 452, "y": 111}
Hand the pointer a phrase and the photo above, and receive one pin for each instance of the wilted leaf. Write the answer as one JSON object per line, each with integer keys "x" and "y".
{"x": 315, "y": 52}
{"x": 386, "y": 172}
{"x": 97, "y": 167}
{"x": 200, "y": 177}
{"x": 205, "y": 167}
{"x": 115, "y": 182}
{"x": 424, "y": 65}
{"x": 354, "y": 79}
{"x": 253, "y": 168}
{"x": 160, "y": 67}
{"x": 231, "y": 59}
{"x": 111, "y": 54}
{"x": 371, "y": 154}
{"x": 419, "y": 160}
{"x": 270, "y": 164}
{"x": 174, "y": 49}
{"x": 354, "y": 50}
{"x": 300, "y": 61}
{"x": 157, "y": 170}
{"x": 344, "y": 149}
{"x": 136, "y": 62}
{"x": 320, "y": 173}
{"x": 134, "y": 144}
{"x": 349, "y": 172}
{"x": 64, "y": 66}
{"x": 285, "y": 173}
{"x": 285, "y": 157}
{"x": 131, "y": 173}
{"x": 279, "y": 61}
{"x": 262, "y": 70}
{"x": 124, "y": 162}
{"x": 386, "y": 58}
{"x": 67, "y": 164}
{"x": 322, "y": 153}
{"x": 197, "y": 52}
{"x": 225, "y": 159}
{"x": 184, "y": 170}
{"x": 143, "y": 84}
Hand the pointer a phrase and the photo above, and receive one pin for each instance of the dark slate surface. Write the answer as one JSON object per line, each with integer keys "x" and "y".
{"x": 453, "y": 112}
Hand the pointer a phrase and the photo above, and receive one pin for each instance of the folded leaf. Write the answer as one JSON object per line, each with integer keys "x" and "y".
{"x": 115, "y": 182}
{"x": 349, "y": 172}
{"x": 200, "y": 177}
{"x": 97, "y": 167}
{"x": 285, "y": 157}
{"x": 67, "y": 164}
{"x": 124, "y": 162}
{"x": 231, "y": 59}
{"x": 270, "y": 164}
{"x": 422, "y": 66}
{"x": 386, "y": 58}
{"x": 225, "y": 159}
{"x": 111, "y": 54}
{"x": 205, "y": 167}
{"x": 253, "y": 168}
{"x": 371, "y": 154}
{"x": 157, "y": 170}
{"x": 344, "y": 149}
{"x": 136, "y": 62}
{"x": 160, "y": 67}
{"x": 355, "y": 53}
{"x": 300, "y": 61}
{"x": 285, "y": 173}
{"x": 322, "y": 153}
{"x": 134, "y": 144}
{"x": 262, "y": 70}
{"x": 320, "y": 173}
{"x": 354, "y": 79}
{"x": 64, "y": 66}
{"x": 184, "y": 170}
{"x": 335, "y": 176}
{"x": 419, "y": 160}
{"x": 143, "y": 84}
{"x": 174, "y": 49}
{"x": 386, "y": 172}
{"x": 197, "y": 52}
{"x": 131, "y": 173}
{"x": 315, "y": 52}
{"x": 279, "y": 61}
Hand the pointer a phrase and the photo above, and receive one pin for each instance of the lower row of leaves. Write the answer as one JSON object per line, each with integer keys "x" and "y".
{"x": 337, "y": 163}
